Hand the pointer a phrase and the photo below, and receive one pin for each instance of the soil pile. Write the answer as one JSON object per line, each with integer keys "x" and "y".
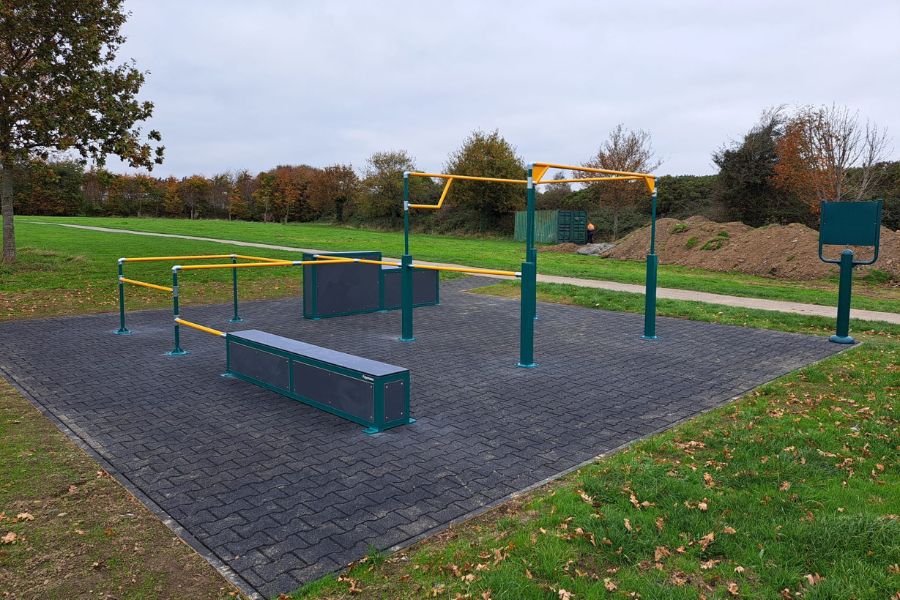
{"x": 788, "y": 251}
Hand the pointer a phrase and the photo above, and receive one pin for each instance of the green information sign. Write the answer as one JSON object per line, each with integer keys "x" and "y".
{"x": 850, "y": 224}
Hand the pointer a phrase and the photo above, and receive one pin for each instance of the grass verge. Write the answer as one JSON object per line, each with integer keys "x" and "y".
{"x": 68, "y": 530}
{"x": 792, "y": 491}
{"x": 502, "y": 254}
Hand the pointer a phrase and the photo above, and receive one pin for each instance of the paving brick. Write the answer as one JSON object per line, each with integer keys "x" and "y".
{"x": 285, "y": 493}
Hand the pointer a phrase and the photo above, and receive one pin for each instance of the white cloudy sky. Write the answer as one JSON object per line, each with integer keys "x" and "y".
{"x": 253, "y": 84}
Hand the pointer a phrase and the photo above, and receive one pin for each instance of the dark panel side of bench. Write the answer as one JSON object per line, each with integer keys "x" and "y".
{"x": 365, "y": 391}
{"x": 341, "y": 289}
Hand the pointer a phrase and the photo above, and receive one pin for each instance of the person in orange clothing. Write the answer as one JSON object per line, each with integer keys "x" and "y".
{"x": 590, "y": 232}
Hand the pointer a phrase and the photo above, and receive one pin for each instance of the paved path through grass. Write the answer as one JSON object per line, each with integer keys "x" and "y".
{"x": 670, "y": 293}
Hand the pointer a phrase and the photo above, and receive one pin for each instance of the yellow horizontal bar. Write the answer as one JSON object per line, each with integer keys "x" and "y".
{"x": 466, "y": 177}
{"x": 258, "y": 258}
{"x": 440, "y": 201}
{"x": 595, "y": 170}
{"x": 469, "y": 270}
{"x": 167, "y": 258}
{"x": 152, "y": 286}
{"x": 199, "y": 327}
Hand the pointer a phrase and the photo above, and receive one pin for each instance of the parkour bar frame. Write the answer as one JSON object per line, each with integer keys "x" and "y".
{"x": 528, "y": 273}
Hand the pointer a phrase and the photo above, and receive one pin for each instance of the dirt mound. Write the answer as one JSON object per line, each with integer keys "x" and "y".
{"x": 788, "y": 251}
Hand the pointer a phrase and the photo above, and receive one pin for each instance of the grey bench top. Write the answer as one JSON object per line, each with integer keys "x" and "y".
{"x": 333, "y": 357}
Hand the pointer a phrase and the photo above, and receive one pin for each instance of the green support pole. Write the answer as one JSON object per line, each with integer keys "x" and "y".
{"x": 526, "y": 321}
{"x": 177, "y": 350}
{"x": 650, "y": 284}
{"x": 528, "y": 301}
{"x": 234, "y": 285}
{"x": 122, "y": 330}
{"x": 842, "y": 335}
{"x": 406, "y": 291}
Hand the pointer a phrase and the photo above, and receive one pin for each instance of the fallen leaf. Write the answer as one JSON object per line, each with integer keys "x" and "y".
{"x": 437, "y": 589}
{"x": 733, "y": 588}
{"x": 564, "y": 595}
{"x": 678, "y": 578}
{"x": 739, "y": 569}
{"x": 609, "y": 584}
{"x": 729, "y": 530}
{"x": 706, "y": 565}
{"x": 24, "y": 516}
{"x": 708, "y": 480}
{"x": 628, "y": 525}
{"x": 469, "y": 577}
{"x": 785, "y": 486}
{"x": 659, "y": 524}
{"x": 703, "y": 506}
{"x": 660, "y": 553}
{"x": 813, "y": 578}
{"x": 706, "y": 540}
{"x": 528, "y": 574}
{"x": 9, "y": 538}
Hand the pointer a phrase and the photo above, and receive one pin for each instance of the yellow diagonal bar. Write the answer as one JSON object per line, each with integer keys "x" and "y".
{"x": 199, "y": 327}
{"x": 468, "y": 270}
{"x": 592, "y": 170}
{"x": 169, "y": 258}
{"x": 440, "y": 201}
{"x": 258, "y": 258}
{"x": 284, "y": 263}
{"x": 152, "y": 286}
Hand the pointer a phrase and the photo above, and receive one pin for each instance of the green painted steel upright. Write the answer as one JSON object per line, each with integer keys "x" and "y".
{"x": 177, "y": 350}
{"x": 406, "y": 278}
{"x": 122, "y": 330}
{"x": 845, "y": 287}
{"x": 234, "y": 286}
{"x": 650, "y": 285}
{"x": 528, "y": 301}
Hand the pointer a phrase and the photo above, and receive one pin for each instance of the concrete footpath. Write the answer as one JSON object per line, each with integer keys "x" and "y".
{"x": 669, "y": 293}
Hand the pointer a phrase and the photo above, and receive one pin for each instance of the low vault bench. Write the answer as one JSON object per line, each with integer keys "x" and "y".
{"x": 368, "y": 392}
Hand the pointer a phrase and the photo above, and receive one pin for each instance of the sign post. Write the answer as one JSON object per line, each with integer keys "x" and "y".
{"x": 848, "y": 224}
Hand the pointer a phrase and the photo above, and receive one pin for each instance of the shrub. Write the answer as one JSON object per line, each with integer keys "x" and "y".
{"x": 680, "y": 228}
{"x": 691, "y": 243}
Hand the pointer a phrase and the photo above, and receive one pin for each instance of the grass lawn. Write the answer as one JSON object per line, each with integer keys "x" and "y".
{"x": 502, "y": 254}
{"x": 793, "y": 487}
{"x": 793, "y": 491}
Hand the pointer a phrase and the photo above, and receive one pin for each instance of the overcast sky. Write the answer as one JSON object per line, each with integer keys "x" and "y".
{"x": 252, "y": 85}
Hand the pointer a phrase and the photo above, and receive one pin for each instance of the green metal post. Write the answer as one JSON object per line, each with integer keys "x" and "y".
{"x": 234, "y": 285}
{"x": 842, "y": 335}
{"x": 530, "y": 249}
{"x": 526, "y": 321}
{"x": 528, "y": 301}
{"x": 650, "y": 284}
{"x": 177, "y": 350}
{"x": 406, "y": 291}
{"x": 122, "y": 330}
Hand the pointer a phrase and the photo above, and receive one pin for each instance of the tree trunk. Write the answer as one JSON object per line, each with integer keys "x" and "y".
{"x": 6, "y": 207}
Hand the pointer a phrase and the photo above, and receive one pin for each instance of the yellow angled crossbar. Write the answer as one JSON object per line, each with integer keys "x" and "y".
{"x": 152, "y": 286}
{"x": 466, "y": 177}
{"x": 541, "y": 168}
{"x": 258, "y": 258}
{"x": 199, "y": 327}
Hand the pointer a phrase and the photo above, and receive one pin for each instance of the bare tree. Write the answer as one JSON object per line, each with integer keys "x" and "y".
{"x": 623, "y": 150}
{"x": 833, "y": 141}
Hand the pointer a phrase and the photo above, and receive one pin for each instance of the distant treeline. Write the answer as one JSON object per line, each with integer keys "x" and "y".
{"x": 372, "y": 196}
